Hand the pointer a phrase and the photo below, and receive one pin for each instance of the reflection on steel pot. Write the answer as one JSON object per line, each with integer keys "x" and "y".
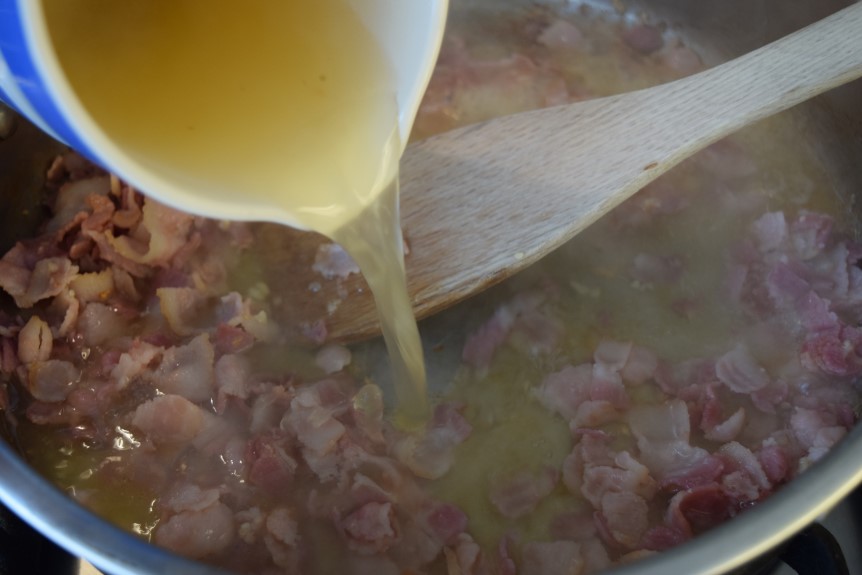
{"x": 832, "y": 125}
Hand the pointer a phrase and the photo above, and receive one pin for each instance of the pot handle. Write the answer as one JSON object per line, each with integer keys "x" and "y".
{"x": 815, "y": 551}
{"x": 25, "y": 550}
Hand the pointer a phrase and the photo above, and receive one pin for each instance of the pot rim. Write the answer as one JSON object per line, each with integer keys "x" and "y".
{"x": 730, "y": 545}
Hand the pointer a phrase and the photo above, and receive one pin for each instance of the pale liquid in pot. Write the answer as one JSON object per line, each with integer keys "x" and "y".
{"x": 696, "y": 214}
{"x": 291, "y": 106}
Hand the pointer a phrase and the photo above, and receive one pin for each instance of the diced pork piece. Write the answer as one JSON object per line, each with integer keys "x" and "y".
{"x": 774, "y": 461}
{"x": 663, "y": 537}
{"x": 699, "y": 509}
{"x": 367, "y": 406}
{"x": 626, "y": 474}
{"x": 231, "y": 339}
{"x": 49, "y": 277}
{"x": 728, "y": 429}
{"x": 836, "y": 351}
{"x": 681, "y": 59}
{"x": 643, "y": 38}
{"x": 465, "y": 558}
{"x": 134, "y": 362}
{"x": 564, "y": 391}
{"x": 705, "y": 471}
{"x": 281, "y": 524}
{"x": 372, "y": 528}
{"x": 72, "y": 201}
{"x": 740, "y": 371}
{"x": 97, "y": 286}
{"x": 810, "y": 233}
{"x": 612, "y": 355}
{"x": 483, "y": 343}
{"x": 314, "y": 422}
{"x": 332, "y": 262}
{"x": 466, "y": 89}
{"x": 231, "y": 377}
{"x": 520, "y": 494}
{"x": 447, "y": 522}
{"x": 432, "y": 454}
{"x": 52, "y": 381}
{"x": 745, "y": 479}
{"x": 663, "y": 434}
{"x": 332, "y": 358}
{"x": 770, "y": 231}
{"x": 250, "y": 522}
{"x": 181, "y": 307}
{"x": 190, "y": 497}
{"x": 161, "y": 233}
{"x": 607, "y": 385}
{"x": 561, "y": 35}
{"x": 188, "y": 370}
{"x": 640, "y": 365}
{"x": 270, "y": 465}
{"x": 100, "y": 324}
{"x": 169, "y": 419}
{"x": 625, "y": 516}
{"x": 197, "y": 534}
{"x": 35, "y": 341}
{"x": 594, "y": 414}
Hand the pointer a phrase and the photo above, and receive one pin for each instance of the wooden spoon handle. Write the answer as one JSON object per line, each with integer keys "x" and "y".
{"x": 483, "y": 202}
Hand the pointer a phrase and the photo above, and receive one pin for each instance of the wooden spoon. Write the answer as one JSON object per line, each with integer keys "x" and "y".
{"x": 483, "y": 202}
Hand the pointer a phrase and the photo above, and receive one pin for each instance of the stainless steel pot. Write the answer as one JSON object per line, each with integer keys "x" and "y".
{"x": 730, "y": 28}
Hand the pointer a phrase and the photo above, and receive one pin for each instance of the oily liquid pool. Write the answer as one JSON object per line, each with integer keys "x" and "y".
{"x": 290, "y": 106}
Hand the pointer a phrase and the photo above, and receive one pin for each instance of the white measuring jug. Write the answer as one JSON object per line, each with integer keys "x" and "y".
{"x": 33, "y": 81}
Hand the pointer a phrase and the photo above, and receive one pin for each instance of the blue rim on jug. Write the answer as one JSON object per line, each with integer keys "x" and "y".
{"x": 17, "y": 49}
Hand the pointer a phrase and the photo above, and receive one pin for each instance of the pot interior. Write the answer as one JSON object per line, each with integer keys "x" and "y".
{"x": 823, "y": 140}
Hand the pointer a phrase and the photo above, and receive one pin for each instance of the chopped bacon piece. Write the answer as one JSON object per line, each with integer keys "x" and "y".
{"x": 332, "y": 358}
{"x": 740, "y": 371}
{"x": 643, "y": 38}
{"x": 663, "y": 434}
{"x": 197, "y": 534}
{"x": 169, "y": 419}
{"x": 564, "y": 391}
{"x": 281, "y": 525}
{"x": 520, "y": 494}
{"x": 561, "y": 35}
{"x": 370, "y": 529}
{"x": 270, "y": 466}
{"x": 624, "y": 514}
{"x": 448, "y": 522}
{"x": 432, "y": 454}
{"x": 187, "y": 370}
{"x": 35, "y": 341}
